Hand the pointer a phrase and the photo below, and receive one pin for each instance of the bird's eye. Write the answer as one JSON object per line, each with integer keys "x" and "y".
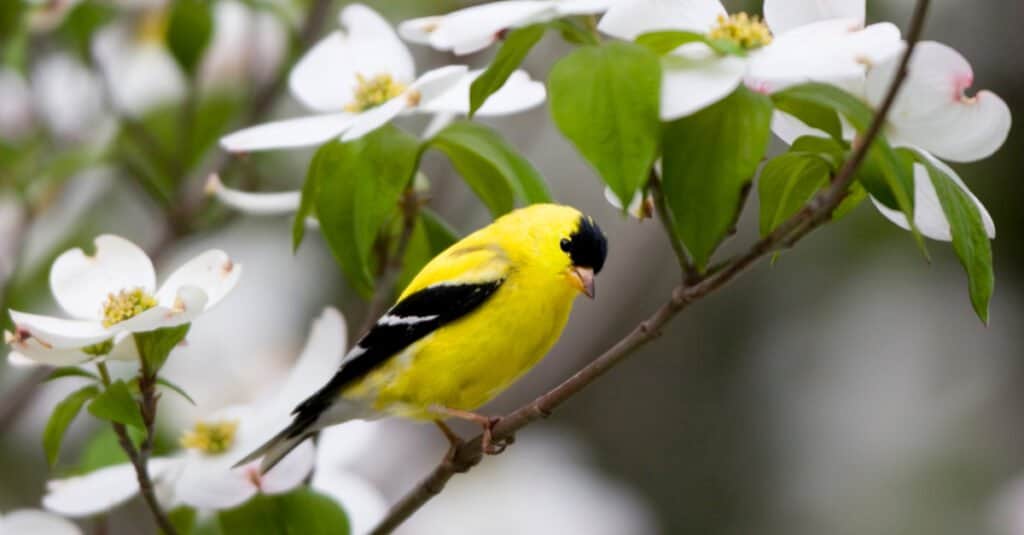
{"x": 565, "y": 244}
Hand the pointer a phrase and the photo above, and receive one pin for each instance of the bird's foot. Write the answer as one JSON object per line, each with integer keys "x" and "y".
{"x": 491, "y": 446}
{"x": 488, "y": 444}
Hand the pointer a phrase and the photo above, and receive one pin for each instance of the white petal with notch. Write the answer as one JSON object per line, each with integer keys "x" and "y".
{"x": 81, "y": 283}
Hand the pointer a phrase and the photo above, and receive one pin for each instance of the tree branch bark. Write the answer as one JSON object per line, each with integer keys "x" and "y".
{"x": 817, "y": 212}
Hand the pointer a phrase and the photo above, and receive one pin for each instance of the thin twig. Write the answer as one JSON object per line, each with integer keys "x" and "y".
{"x": 139, "y": 457}
{"x": 690, "y": 273}
{"x": 467, "y": 455}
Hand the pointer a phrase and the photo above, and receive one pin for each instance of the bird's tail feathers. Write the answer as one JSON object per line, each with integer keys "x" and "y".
{"x": 275, "y": 449}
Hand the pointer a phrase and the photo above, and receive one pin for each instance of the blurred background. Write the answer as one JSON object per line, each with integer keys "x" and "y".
{"x": 847, "y": 389}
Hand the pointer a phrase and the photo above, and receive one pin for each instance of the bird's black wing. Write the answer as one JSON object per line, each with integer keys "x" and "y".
{"x": 409, "y": 320}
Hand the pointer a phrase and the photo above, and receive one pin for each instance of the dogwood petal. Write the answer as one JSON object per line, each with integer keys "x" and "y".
{"x": 362, "y": 502}
{"x": 81, "y": 283}
{"x": 59, "y": 333}
{"x": 475, "y": 28}
{"x": 928, "y": 214}
{"x": 518, "y": 94}
{"x": 932, "y": 111}
{"x": 37, "y": 523}
{"x": 185, "y": 306}
{"x": 29, "y": 352}
{"x": 636, "y": 204}
{"x": 325, "y": 78}
{"x": 140, "y": 74}
{"x": 343, "y": 445}
{"x": 374, "y": 118}
{"x": 209, "y": 482}
{"x": 831, "y": 51}
{"x": 18, "y": 360}
{"x": 291, "y": 471}
{"x": 100, "y": 490}
{"x": 124, "y": 348}
{"x": 325, "y": 347}
{"x": 282, "y": 203}
{"x": 785, "y": 15}
{"x": 627, "y": 19}
{"x": 582, "y": 7}
{"x": 213, "y": 272}
{"x": 695, "y": 77}
{"x": 290, "y": 133}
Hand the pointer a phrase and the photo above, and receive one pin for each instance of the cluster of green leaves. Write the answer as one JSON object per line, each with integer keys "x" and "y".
{"x": 112, "y": 401}
{"x": 300, "y": 512}
{"x": 605, "y": 99}
{"x": 360, "y": 191}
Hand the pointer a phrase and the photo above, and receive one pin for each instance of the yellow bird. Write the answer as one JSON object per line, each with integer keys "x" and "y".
{"x": 475, "y": 319}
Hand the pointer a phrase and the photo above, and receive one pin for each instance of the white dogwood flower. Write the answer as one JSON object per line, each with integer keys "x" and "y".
{"x": 360, "y": 78}
{"x": 202, "y": 474}
{"x": 112, "y": 294}
{"x": 36, "y": 522}
{"x": 139, "y": 71}
{"x": 934, "y": 116}
{"x": 695, "y": 76}
{"x": 475, "y": 28}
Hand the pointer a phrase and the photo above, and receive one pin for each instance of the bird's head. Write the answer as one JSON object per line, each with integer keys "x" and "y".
{"x": 569, "y": 243}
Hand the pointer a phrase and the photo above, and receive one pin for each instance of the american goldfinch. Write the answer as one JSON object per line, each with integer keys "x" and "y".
{"x": 475, "y": 318}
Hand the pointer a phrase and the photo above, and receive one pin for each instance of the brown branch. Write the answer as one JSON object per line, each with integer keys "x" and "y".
{"x": 139, "y": 457}
{"x": 818, "y": 210}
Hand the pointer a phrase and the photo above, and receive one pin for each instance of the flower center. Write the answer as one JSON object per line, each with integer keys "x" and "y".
{"x": 372, "y": 92}
{"x": 152, "y": 26}
{"x": 126, "y": 304}
{"x": 212, "y": 438}
{"x": 746, "y": 31}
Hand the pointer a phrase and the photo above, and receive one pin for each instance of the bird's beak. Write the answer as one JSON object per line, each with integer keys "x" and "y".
{"x": 583, "y": 279}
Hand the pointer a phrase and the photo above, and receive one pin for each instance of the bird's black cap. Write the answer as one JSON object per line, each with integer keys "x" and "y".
{"x": 587, "y": 246}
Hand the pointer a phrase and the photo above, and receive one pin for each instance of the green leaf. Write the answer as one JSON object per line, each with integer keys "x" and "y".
{"x": 854, "y": 197}
{"x": 606, "y": 101}
{"x": 71, "y": 371}
{"x": 300, "y": 512}
{"x": 102, "y": 450}
{"x": 896, "y": 186}
{"x": 81, "y": 24}
{"x": 491, "y": 166}
{"x": 970, "y": 240}
{"x": 310, "y": 189}
{"x": 116, "y": 404}
{"x": 828, "y": 149}
{"x": 517, "y": 45}
{"x": 664, "y": 41}
{"x": 11, "y": 14}
{"x": 176, "y": 389}
{"x": 574, "y": 33}
{"x": 786, "y": 184}
{"x": 811, "y": 113}
{"x": 189, "y": 31}
{"x": 430, "y": 236}
{"x": 155, "y": 346}
{"x": 708, "y": 160}
{"x": 183, "y": 518}
{"x": 888, "y": 178}
{"x": 360, "y": 183}
{"x": 63, "y": 414}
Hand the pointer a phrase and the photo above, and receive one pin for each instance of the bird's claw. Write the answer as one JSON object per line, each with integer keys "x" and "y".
{"x": 491, "y": 446}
